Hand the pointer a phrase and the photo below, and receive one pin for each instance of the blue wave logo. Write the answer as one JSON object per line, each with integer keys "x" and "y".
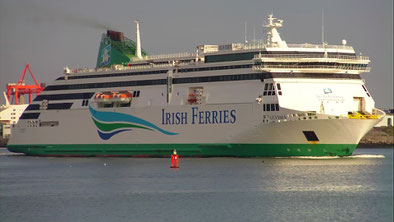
{"x": 111, "y": 123}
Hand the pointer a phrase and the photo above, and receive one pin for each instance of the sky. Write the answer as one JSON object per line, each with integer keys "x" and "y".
{"x": 52, "y": 34}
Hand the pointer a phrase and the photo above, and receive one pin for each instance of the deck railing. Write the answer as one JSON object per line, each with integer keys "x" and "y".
{"x": 164, "y": 56}
{"x": 319, "y": 46}
{"x": 310, "y": 56}
{"x": 314, "y": 67}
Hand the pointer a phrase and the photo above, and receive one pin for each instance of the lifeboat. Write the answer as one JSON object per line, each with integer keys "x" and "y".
{"x": 121, "y": 98}
{"x": 102, "y": 96}
{"x": 124, "y": 96}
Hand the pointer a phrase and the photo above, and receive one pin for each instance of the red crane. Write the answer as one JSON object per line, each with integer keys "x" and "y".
{"x": 20, "y": 89}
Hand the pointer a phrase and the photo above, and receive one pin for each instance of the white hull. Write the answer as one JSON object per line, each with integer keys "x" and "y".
{"x": 248, "y": 128}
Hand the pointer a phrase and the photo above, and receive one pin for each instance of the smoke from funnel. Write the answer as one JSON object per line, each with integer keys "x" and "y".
{"x": 40, "y": 14}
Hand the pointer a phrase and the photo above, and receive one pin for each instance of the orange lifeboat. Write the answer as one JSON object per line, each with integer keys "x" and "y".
{"x": 106, "y": 96}
{"x": 100, "y": 96}
{"x": 124, "y": 95}
{"x": 114, "y": 98}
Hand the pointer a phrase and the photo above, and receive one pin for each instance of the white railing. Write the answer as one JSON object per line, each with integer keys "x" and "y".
{"x": 309, "y": 56}
{"x": 316, "y": 46}
{"x": 261, "y": 45}
{"x": 132, "y": 67}
{"x": 248, "y": 47}
{"x": 118, "y": 68}
{"x": 164, "y": 56}
{"x": 315, "y": 67}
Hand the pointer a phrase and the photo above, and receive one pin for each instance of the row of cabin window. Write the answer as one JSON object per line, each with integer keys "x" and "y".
{"x": 68, "y": 96}
{"x": 247, "y": 56}
{"x": 239, "y": 77}
{"x": 88, "y": 95}
{"x": 271, "y": 107}
{"x": 107, "y": 84}
{"x": 269, "y": 89}
{"x": 230, "y": 57}
{"x": 252, "y": 76}
{"x": 271, "y": 93}
{"x": 216, "y": 68}
{"x": 156, "y": 72}
{"x": 136, "y": 93}
{"x": 29, "y": 116}
{"x": 85, "y": 102}
{"x": 113, "y": 75}
{"x": 51, "y": 106}
{"x": 270, "y": 86}
{"x": 315, "y": 64}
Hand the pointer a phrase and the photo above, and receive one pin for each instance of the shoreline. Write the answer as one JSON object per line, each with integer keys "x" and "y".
{"x": 374, "y": 145}
{"x": 378, "y": 136}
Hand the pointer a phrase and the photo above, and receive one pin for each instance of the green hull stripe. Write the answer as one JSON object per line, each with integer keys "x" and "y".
{"x": 203, "y": 150}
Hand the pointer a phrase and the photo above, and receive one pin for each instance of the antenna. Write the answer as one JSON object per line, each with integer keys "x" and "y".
{"x": 322, "y": 34}
{"x": 264, "y": 32}
{"x": 246, "y": 38}
{"x": 322, "y": 26}
{"x": 254, "y": 35}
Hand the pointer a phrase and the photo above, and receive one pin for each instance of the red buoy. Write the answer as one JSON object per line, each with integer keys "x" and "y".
{"x": 174, "y": 160}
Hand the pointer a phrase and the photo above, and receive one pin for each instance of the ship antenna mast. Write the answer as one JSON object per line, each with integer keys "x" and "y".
{"x": 246, "y": 33}
{"x": 273, "y": 37}
{"x": 138, "y": 50}
{"x": 322, "y": 34}
{"x": 254, "y": 35}
{"x": 322, "y": 27}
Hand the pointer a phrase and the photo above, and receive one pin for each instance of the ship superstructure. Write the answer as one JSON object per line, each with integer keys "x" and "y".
{"x": 261, "y": 99}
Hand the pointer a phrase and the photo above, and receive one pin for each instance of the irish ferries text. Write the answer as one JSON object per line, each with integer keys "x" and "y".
{"x": 196, "y": 116}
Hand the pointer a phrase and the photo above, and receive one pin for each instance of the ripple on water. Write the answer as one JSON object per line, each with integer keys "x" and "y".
{"x": 359, "y": 156}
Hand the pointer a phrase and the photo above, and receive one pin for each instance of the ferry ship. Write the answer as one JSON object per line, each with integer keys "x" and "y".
{"x": 265, "y": 98}
{"x": 9, "y": 115}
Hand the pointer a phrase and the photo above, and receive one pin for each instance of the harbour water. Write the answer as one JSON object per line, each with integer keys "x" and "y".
{"x": 356, "y": 188}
